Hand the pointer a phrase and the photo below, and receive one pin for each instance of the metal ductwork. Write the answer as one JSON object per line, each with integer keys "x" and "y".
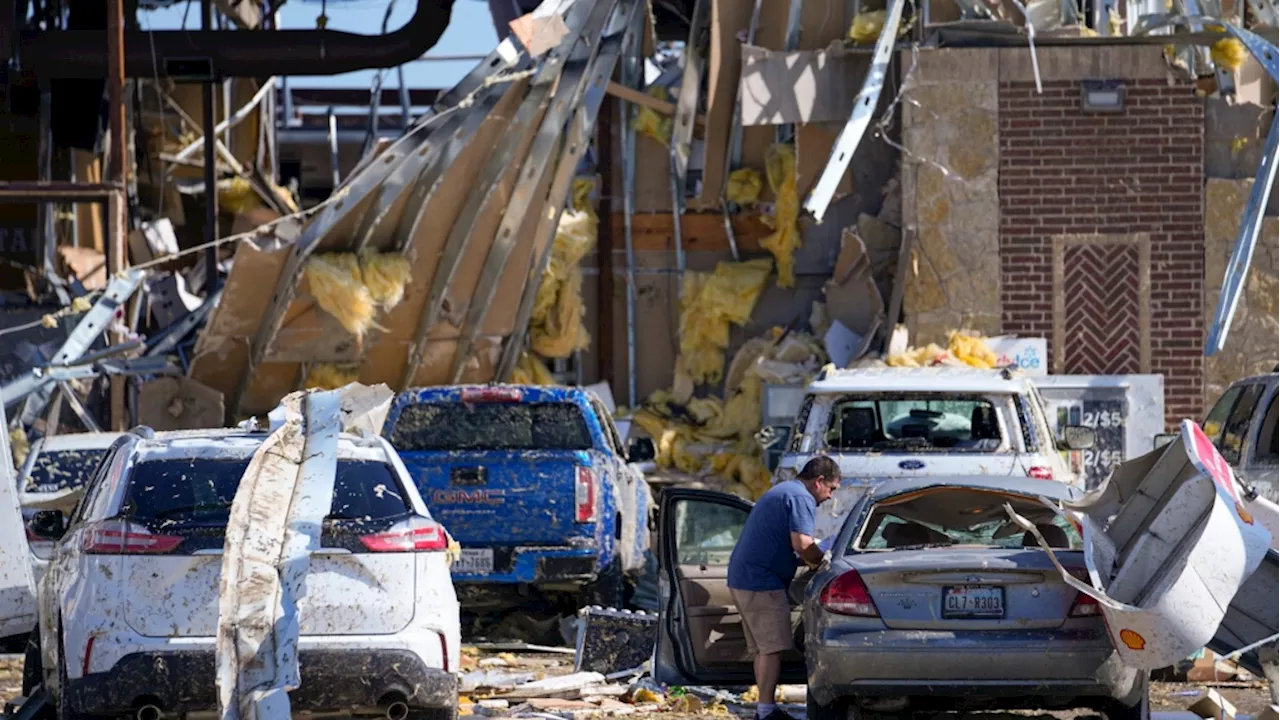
{"x": 216, "y": 54}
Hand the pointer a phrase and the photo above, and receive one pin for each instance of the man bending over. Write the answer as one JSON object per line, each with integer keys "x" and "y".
{"x": 763, "y": 565}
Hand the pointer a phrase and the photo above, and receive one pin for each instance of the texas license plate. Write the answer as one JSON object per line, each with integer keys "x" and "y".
{"x": 474, "y": 561}
{"x": 971, "y": 601}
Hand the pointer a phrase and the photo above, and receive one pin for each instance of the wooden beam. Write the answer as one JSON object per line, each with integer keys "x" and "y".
{"x": 700, "y": 232}
{"x": 658, "y": 105}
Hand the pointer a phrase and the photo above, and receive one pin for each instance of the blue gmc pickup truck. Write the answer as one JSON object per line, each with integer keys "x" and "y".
{"x": 534, "y": 483}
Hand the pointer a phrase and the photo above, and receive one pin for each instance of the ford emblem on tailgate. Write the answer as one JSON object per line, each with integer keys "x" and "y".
{"x": 911, "y": 465}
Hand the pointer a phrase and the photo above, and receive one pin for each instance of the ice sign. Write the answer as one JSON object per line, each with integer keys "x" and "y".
{"x": 1026, "y": 354}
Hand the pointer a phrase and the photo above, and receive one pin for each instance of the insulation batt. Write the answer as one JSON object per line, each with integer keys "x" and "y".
{"x": 339, "y": 290}
{"x": 963, "y": 348}
{"x": 556, "y": 328}
{"x": 650, "y": 122}
{"x": 780, "y": 166}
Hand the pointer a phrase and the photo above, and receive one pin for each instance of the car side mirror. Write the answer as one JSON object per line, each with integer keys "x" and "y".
{"x": 641, "y": 450}
{"x": 1078, "y": 437}
{"x": 1162, "y": 439}
{"x": 49, "y": 524}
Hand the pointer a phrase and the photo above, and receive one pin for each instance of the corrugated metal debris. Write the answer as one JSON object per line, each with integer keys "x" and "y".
{"x": 274, "y": 527}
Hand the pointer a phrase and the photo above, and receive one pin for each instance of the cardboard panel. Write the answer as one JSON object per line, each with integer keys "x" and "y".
{"x": 824, "y": 22}
{"x": 728, "y": 18}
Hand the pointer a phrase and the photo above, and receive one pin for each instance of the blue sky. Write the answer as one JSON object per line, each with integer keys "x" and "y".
{"x": 469, "y": 33}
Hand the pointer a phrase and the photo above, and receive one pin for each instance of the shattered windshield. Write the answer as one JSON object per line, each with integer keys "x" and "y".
{"x": 492, "y": 426}
{"x": 921, "y": 423}
{"x": 58, "y": 470}
{"x": 200, "y": 491}
{"x": 956, "y": 516}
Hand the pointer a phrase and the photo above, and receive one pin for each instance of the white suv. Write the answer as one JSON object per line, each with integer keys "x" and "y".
{"x": 129, "y": 606}
{"x": 884, "y": 423}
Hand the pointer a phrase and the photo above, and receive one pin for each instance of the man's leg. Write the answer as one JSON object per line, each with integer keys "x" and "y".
{"x": 767, "y": 620}
{"x": 767, "y": 667}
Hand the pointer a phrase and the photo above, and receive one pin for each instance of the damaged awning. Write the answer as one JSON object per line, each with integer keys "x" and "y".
{"x": 422, "y": 268}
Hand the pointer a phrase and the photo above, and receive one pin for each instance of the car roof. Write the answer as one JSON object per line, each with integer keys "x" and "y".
{"x": 931, "y": 379}
{"x": 79, "y": 441}
{"x": 1265, "y": 377}
{"x": 1051, "y": 489}
{"x": 235, "y": 443}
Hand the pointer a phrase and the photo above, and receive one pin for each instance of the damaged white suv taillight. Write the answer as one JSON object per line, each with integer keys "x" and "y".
{"x": 115, "y": 537}
{"x": 413, "y": 535}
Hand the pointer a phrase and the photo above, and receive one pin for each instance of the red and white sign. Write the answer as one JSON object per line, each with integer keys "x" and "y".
{"x": 1203, "y": 454}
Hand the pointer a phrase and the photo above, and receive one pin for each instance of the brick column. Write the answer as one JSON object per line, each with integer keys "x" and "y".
{"x": 1095, "y": 185}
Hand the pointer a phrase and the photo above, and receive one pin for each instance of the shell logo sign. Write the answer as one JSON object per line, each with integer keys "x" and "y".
{"x": 1132, "y": 640}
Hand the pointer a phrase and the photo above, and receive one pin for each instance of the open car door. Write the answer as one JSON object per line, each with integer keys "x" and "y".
{"x": 17, "y": 588}
{"x": 701, "y": 639}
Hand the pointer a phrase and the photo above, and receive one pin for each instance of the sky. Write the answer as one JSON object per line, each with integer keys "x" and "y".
{"x": 470, "y": 33}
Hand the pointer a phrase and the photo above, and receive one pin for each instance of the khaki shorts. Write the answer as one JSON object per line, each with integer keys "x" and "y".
{"x": 766, "y": 620}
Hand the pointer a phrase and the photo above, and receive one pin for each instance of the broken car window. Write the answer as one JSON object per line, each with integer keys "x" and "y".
{"x": 491, "y": 426}
{"x": 200, "y": 491}
{"x": 58, "y": 470}
{"x": 891, "y": 423}
{"x": 942, "y": 518}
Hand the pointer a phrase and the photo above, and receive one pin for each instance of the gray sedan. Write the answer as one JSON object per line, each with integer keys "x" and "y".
{"x": 931, "y": 599}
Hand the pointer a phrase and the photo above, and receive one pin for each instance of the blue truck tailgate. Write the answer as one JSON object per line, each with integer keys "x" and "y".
{"x": 501, "y": 497}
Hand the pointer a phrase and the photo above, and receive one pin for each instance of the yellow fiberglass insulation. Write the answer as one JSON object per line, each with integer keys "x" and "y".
{"x": 237, "y": 196}
{"x": 710, "y": 303}
{"x": 338, "y": 287}
{"x": 963, "y": 348}
{"x": 866, "y": 26}
{"x": 329, "y": 376}
{"x": 1229, "y": 53}
{"x": 530, "y": 370}
{"x": 652, "y": 123}
{"x": 19, "y": 446}
{"x": 556, "y": 328}
{"x": 744, "y": 186}
{"x": 780, "y": 165}
{"x": 385, "y": 275}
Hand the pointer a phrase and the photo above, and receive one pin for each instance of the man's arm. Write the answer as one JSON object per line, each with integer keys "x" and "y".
{"x": 807, "y": 549}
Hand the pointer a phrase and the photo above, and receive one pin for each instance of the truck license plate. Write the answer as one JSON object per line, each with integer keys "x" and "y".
{"x": 474, "y": 561}
{"x": 972, "y": 601}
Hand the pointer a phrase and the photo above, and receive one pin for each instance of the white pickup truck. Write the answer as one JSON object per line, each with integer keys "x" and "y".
{"x": 1242, "y": 425}
{"x": 881, "y": 423}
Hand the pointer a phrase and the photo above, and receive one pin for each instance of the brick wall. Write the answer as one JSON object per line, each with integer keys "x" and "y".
{"x": 1064, "y": 172}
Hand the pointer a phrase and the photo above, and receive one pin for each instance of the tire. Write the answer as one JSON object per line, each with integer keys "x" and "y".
{"x": 32, "y": 666}
{"x": 839, "y": 710}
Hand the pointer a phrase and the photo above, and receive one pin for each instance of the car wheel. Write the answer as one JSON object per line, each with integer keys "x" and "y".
{"x": 838, "y": 710}
{"x": 32, "y": 666}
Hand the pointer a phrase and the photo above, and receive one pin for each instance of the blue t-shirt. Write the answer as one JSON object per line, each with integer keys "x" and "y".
{"x": 763, "y": 558}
